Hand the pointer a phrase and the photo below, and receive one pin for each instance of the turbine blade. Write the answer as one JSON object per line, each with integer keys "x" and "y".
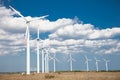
{"x": 42, "y": 17}
{"x": 49, "y": 57}
{"x": 85, "y": 62}
{"x": 57, "y": 60}
{"x": 39, "y": 18}
{"x": 26, "y": 33}
{"x": 17, "y": 12}
{"x": 68, "y": 60}
{"x": 86, "y": 57}
{"x": 34, "y": 19}
{"x": 73, "y": 59}
{"x": 95, "y": 58}
{"x": 38, "y": 33}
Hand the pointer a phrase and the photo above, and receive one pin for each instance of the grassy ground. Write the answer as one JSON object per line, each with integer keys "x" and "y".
{"x": 64, "y": 76}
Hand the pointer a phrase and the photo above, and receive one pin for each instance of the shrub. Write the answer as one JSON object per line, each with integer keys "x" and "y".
{"x": 48, "y": 76}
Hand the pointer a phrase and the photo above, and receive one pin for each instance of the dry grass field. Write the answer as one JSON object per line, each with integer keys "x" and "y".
{"x": 64, "y": 76}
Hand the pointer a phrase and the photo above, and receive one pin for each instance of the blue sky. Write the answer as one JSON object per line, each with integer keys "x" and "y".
{"x": 98, "y": 35}
{"x": 101, "y": 13}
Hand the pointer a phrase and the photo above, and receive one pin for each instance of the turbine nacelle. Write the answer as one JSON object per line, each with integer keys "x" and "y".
{"x": 106, "y": 60}
{"x": 97, "y": 60}
{"x": 87, "y": 60}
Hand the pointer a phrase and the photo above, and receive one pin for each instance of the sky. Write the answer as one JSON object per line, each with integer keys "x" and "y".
{"x": 78, "y": 27}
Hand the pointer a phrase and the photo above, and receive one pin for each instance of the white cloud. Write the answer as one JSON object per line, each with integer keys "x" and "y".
{"x": 69, "y": 35}
{"x": 5, "y": 12}
{"x": 10, "y": 43}
{"x": 73, "y": 31}
{"x": 107, "y": 46}
{"x": 105, "y": 33}
{"x": 84, "y": 31}
{"x": 51, "y": 26}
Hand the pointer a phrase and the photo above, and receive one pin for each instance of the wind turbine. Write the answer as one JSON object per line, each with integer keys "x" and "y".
{"x": 71, "y": 62}
{"x": 48, "y": 57}
{"x": 43, "y": 60}
{"x": 87, "y": 60}
{"x": 46, "y": 61}
{"x": 54, "y": 61}
{"x": 27, "y": 37}
{"x": 97, "y": 63}
{"x": 106, "y": 64}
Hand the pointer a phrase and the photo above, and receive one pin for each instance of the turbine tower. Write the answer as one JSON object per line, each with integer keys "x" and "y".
{"x": 97, "y": 64}
{"x": 87, "y": 64}
{"x": 43, "y": 60}
{"x": 106, "y": 64}
{"x": 38, "y": 52}
{"x": 27, "y": 37}
{"x": 71, "y": 62}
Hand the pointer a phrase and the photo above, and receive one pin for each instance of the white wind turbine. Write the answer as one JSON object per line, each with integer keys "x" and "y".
{"x": 46, "y": 61}
{"x": 27, "y": 37}
{"x": 43, "y": 60}
{"x": 87, "y": 64}
{"x": 54, "y": 61}
{"x": 71, "y": 62}
{"x": 106, "y": 64}
{"x": 46, "y": 57}
{"x": 97, "y": 63}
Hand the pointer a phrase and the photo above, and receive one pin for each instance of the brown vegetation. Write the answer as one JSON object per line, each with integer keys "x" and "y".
{"x": 64, "y": 76}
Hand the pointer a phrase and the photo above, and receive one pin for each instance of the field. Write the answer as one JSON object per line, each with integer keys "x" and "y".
{"x": 64, "y": 76}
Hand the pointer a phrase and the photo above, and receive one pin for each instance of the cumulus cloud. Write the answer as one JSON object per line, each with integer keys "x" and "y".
{"x": 66, "y": 35}
{"x": 10, "y": 43}
{"x": 84, "y": 31}
{"x": 107, "y": 46}
{"x": 73, "y": 31}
